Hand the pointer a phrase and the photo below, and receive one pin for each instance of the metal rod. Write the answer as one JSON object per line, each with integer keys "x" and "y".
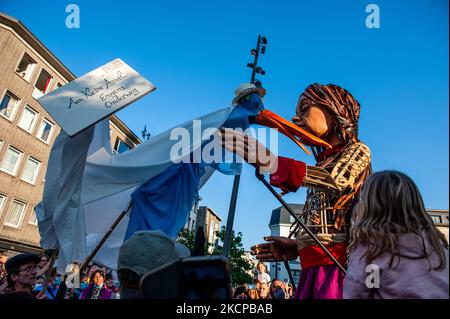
{"x": 288, "y": 268}
{"x": 63, "y": 287}
{"x": 255, "y": 61}
{"x": 234, "y": 193}
{"x": 49, "y": 270}
{"x": 105, "y": 237}
{"x": 230, "y": 217}
{"x": 291, "y": 211}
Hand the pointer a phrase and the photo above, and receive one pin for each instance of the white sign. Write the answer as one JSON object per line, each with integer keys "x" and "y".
{"x": 94, "y": 96}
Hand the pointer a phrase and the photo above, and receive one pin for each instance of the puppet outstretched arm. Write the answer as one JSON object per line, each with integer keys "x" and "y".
{"x": 292, "y": 174}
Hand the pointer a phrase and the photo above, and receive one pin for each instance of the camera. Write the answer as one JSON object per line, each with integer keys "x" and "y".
{"x": 189, "y": 278}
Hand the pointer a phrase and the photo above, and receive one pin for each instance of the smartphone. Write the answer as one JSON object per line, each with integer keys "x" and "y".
{"x": 189, "y": 278}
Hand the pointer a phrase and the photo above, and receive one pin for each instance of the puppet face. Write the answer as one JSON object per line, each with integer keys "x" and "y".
{"x": 313, "y": 118}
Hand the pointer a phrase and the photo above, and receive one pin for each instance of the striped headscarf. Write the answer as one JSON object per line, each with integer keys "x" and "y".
{"x": 341, "y": 103}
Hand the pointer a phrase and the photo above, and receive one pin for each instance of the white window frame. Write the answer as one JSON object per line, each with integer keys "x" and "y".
{"x": 22, "y": 213}
{"x": 16, "y": 107}
{"x": 3, "y": 199}
{"x": 31, "y": 219}
{"x": 41, "y": 130}
{"x": 211, "y": 234}
{"x": 36, "y": 92}
{"x": 30, "y": 75}
{"x": 35, "y": 120}
{"x": 118, "y": 141}
{"x": 17, "y": 163}
{"x": 36, "y": 172}
{"x": 437, "y": 219}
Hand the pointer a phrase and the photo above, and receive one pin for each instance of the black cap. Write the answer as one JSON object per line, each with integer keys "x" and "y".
{"x": 21, "y": 259}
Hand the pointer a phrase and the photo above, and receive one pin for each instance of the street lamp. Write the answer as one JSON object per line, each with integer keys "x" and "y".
{"x": 260, "y": 48}
{"x": 145, "y": 134}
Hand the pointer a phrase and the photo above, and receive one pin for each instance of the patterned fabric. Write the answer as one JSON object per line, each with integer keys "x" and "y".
{"x": 330, "y": 225}
{"x": 96, "y": 292}
{"x": 91, "y": 293}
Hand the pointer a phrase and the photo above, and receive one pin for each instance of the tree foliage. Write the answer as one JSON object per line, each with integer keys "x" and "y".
{"x": 239, "y": 265}
{"x": 187, "y": 237}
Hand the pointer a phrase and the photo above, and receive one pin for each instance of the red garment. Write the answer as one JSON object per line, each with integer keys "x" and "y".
{"x": 313, "y": 255}
{"x": 289, "y": 175}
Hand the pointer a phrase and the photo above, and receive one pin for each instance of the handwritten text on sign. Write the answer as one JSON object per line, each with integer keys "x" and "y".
{"x": 95, "y": 95}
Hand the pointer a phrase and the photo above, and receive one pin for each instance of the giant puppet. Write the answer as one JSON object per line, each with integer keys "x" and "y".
{"x": 326, "y": 120}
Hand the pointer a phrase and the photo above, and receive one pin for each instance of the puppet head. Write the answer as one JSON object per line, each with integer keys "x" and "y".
{"x": 337, "y": 101}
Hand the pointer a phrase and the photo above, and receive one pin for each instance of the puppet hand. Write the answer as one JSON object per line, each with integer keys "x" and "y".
{"x": 277, "y": 249}
{"x": 250, "y": 150}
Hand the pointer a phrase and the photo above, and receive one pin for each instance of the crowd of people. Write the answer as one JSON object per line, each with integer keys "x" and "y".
{"x": 394, "y": 234}
{"x": 263, "y": 287}
{"x": 29, "y": 275}
{"x": 24, "y": 276}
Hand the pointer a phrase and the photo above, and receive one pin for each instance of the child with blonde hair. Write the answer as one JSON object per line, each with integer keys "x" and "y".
{"x": 396, "y": 251}
{"x": 261, "y": 274}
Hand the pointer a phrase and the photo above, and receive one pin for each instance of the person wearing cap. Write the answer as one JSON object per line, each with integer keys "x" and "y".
{"x": 21, "y": 273}
{"x": 143, "y": 252}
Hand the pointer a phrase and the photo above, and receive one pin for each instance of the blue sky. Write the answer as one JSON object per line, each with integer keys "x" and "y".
{"x": 195, "y": 52}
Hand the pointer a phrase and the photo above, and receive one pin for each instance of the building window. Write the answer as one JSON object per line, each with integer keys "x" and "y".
{"x": 33, "y": 219}
{"x": 188, "y": 223}
{"x": 2, "y": 201}
{"x": 45, "y": 130}
{"x": 216, "y": 230}
{"x": 26, "y": 67}
{"x": 42, "y": 84}
{"x": 11, "y": 160}
{"x": 28, "y": 119}
{"x": 211, "y": 233}
{"x": 8, "y": 106}
{"x": 31, "y": 170}
{"x": 120, "y": 147}
{"x": 14, "y": 216}
{"x": 436, "y": 219}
